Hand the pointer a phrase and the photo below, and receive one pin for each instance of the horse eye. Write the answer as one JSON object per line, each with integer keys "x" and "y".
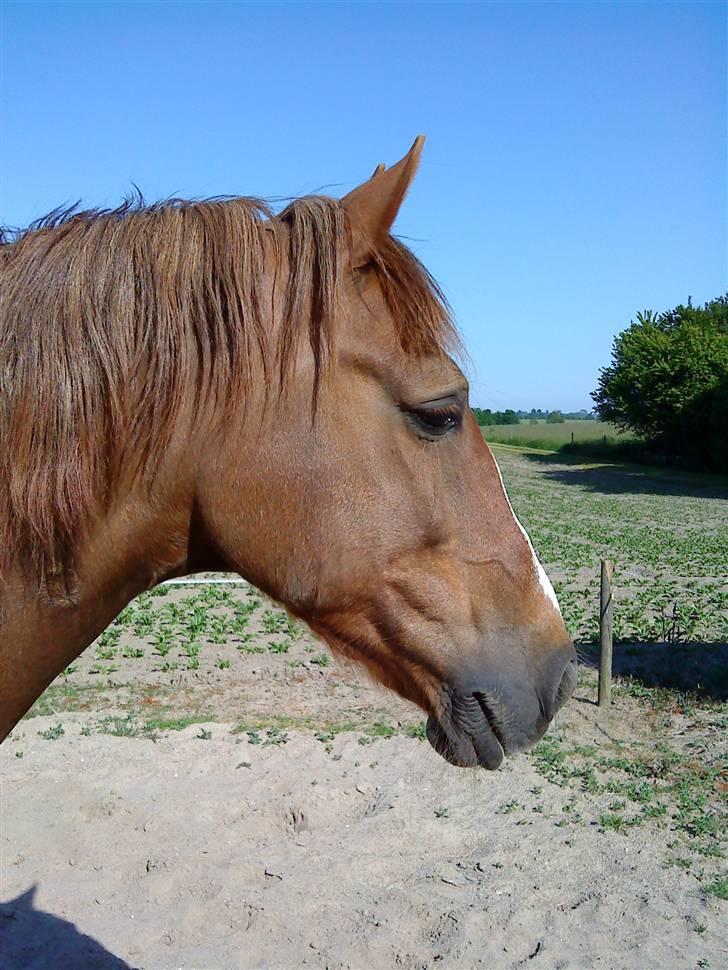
{"x": 435, "y": 422}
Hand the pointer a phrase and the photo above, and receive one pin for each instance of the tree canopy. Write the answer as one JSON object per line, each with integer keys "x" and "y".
{"x": 484, "y": 416}
{"x": 668, "y": 382}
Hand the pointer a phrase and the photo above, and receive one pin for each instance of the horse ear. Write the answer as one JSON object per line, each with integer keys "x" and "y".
{"x": 372, "y": 207}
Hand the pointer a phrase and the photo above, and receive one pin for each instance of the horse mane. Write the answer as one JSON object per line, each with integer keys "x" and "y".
{"x": 109, "y": 316}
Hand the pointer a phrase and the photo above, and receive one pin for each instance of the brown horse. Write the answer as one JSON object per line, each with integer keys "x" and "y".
{"x": 196, "y": 386}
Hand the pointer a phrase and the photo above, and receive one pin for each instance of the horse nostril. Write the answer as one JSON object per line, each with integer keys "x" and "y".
{"x": 560, "y": 689}
{"x": 567, "y": 686}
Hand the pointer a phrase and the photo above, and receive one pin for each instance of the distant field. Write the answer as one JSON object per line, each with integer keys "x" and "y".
{"x": 551, "y": 435}
{"x": 666, "y": 532}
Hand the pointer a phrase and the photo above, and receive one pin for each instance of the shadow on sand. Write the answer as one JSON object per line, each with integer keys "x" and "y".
{"x": 617, "y": 479}
{"x": 700, "y": 668}
{"x": 33, "y": 940}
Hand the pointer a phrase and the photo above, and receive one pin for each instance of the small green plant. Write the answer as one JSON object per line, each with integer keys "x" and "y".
{"x": 293, "y": 628}
{"x": 615, "y": 823}
{"x": 321, "y": 660}
{"x": 250, "y": 648}
{"x": 125, "y": 618}
{"x": 204, "y": 734}
{"x": 271, "y": 622}
{"x": 52, "y": 733}
{"x": 239, "y": 623}
{"x": 120, "y": 726}
{"x": 110, "y": 637}
{"x": 274, "y": 735}
{"x": 654, "y": 811}
{"x": 719, "y": 888}
{"x": 143, "y": 622}
{"x": 442, "y": 811}
{"x": 163, "y": 643}
{"x": 155, "y": 724}
{"x": 218, "y": 631}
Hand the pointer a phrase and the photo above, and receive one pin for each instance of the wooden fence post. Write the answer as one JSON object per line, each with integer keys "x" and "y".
{"x": 605, "y": 634}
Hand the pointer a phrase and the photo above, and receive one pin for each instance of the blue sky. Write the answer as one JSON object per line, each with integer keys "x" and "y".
{"x": 575, "y": 169}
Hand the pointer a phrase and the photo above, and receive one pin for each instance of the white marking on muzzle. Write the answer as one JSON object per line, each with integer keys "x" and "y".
{"x": 544, "y": 581}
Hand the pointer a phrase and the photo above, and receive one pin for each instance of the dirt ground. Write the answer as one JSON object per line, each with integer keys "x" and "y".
{"x": 233, "y": 846}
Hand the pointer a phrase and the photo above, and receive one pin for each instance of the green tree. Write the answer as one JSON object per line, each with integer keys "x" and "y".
{"x": 484, "y": 416}
{"x": 554, "y": 417}
{"x": 667, "y": 382}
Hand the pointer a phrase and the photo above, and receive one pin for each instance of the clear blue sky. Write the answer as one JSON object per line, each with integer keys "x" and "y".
{"x": 575, "y": 170}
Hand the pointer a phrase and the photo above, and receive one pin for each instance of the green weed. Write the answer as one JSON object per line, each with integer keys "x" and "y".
{"x": 718, "y": 888}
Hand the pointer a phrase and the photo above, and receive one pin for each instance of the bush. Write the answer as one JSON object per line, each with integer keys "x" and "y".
{"x": 668, "y": 383}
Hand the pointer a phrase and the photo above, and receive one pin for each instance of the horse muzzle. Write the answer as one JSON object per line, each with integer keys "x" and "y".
{"x": 478, "y": 724}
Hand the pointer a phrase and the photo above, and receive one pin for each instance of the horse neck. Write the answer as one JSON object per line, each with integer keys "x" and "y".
{"x": 138, "y": 541}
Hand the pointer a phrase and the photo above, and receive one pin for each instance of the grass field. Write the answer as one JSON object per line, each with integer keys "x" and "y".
{"x": 551, "y": 436}
{"x": 666, "y": 532}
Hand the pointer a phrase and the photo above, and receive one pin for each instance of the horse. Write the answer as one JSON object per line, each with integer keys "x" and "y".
{"x": 209, "y": 385}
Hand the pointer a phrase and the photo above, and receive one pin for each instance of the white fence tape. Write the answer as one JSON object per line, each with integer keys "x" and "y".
{"x": 205, "y": 582}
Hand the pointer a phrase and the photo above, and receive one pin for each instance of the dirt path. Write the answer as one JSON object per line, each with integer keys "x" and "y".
{"x": 270, "y": 848}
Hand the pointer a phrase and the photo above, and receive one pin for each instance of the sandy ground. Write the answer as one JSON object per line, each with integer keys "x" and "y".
{"x": 206, "y": 848}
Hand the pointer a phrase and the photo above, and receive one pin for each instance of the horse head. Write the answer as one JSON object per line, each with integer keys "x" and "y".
{"x": 361, "y": 494}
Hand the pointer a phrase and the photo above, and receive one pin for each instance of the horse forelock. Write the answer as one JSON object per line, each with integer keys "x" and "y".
{"x": 110, "y": 316}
